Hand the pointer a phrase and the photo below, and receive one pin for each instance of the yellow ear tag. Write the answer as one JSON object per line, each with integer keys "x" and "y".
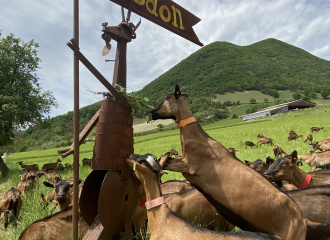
{"x": 298, "y": 157}
{"x": 134, "y": 166}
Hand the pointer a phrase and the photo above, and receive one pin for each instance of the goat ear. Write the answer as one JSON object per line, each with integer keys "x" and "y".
{"x": 47, "y": 184}
{"x": 177, "y": 92}
{"x": 269, "y": 161}
{"x": 138, "y": 167}
{"x": 294, "y": 156}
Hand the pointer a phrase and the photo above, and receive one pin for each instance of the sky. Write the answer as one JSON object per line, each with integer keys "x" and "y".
{"x": 304, "y": 24}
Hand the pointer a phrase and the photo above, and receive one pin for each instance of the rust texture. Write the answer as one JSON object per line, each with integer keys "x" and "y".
{"x": 114, "y": 138}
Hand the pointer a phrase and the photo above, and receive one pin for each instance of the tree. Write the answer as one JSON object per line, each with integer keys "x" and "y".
{"x": 266, "y": 100}
{"x": 253, "y": 101}
{"x": 296, "y": 96}
{"x": 325, "y": 92}
{"x": 23, "y": 102}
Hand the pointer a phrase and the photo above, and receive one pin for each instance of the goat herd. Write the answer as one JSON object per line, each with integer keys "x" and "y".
{"x": 220, "y": 191}
{"x": 61, "y": 194}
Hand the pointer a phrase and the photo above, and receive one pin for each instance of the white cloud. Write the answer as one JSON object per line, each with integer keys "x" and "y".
{"x": 304, "y": 24}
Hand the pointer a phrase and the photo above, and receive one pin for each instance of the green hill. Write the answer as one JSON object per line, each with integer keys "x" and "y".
{"x": 269, "y": 66}
{"x": 222, "y": 67}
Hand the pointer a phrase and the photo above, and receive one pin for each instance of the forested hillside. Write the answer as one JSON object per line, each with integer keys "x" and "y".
{"x": 265, "y": 66}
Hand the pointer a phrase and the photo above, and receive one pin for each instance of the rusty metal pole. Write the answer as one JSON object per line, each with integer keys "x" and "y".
{"x": 120, "y": 69}
{"x": 76, "y": 120}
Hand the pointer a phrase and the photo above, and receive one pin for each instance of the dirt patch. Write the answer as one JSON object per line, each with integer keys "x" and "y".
{"x": 148, "y": 126}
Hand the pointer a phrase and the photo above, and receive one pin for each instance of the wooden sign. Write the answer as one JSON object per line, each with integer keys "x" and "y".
{"x": 166, "y": 14}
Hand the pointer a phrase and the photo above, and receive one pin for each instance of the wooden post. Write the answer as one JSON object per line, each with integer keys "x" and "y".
{"x": 76, "y": 121}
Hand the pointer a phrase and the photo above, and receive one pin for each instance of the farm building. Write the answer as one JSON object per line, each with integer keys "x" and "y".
{"x": 281, "y": 108}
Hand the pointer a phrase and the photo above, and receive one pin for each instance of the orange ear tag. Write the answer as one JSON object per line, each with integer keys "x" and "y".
{"x": 134, "y": 166}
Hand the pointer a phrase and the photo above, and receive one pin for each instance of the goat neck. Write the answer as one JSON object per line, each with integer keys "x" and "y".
{"x": 298, "y": 177}
{"x": 152, "y": 190}
{"x": 183, "y": 111}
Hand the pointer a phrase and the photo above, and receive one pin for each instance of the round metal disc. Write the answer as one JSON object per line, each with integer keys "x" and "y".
{"x": 106, "y": 49}
{"x": 89, "y": 197}
{"x": 117, "y": 201}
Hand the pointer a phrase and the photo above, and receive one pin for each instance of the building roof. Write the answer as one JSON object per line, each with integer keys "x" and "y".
{"x": 296, "y": 103}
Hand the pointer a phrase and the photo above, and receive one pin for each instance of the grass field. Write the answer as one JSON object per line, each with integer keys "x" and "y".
{"x": 244, "y": 97}
{"x": 229, "y": 132}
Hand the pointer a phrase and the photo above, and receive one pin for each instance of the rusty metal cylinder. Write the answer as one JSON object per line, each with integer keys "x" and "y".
{"x": 114, "y": 136}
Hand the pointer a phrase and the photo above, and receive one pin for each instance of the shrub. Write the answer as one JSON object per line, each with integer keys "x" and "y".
{"x": 253, "y": 101}
{"x": 160, "y": 126}
{"x": 22, "y": 148}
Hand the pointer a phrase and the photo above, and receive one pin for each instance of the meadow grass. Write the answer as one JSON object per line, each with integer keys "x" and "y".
{"x": 229, "y": 132}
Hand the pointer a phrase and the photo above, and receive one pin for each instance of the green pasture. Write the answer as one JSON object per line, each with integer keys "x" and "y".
{"x": 229, "y": 132}
{"x": 244, "y": 97}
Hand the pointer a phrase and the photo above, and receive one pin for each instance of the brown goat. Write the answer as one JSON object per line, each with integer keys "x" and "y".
{"x": 258, "y": 165}
{"x": 139, "y": 217}
{"x": 29, "y": 167}
{"x": 232, "y": 151}
{"x": 57, "y": 226}
{"x": 309, "y": 138}
{"x": 10, "y": 205}
{"x": 166, "y": 225}
{"x": 293, "y": 136}
{"x": 322, "y": 146}
{"x": 55, "y": 176}
{"x": 52, "y": 195}
{"x": 62, "y": 193}
{"x": 189, "y": 204}
{"x": 265, "y": 140}
{"x": 87, "y": 161}
{"x": 174, "y": 186}
{"x": 23, "y": 186}
{"x": 51, "y": 166}
{"x": 316, "y": 160}
{"x": 60, "y": 167}
{"x": 194, "y": 207}
{"x": 315, "y": 129}
{"x": 314, "y": 202}
{"x": 231, "y": 192}
{"x": 277, "y": 150}
{"x": 285, "y": 168}
{"x": 250, "y": 144}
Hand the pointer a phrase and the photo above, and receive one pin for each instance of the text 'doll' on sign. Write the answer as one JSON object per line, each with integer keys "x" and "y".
{"x": 166, "y": 14}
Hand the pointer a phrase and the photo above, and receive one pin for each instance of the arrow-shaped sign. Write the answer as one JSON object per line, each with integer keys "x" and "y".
{"x": 166, "y": 14}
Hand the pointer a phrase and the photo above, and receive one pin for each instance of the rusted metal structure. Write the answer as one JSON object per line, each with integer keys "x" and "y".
{"x": 109, "y": 193}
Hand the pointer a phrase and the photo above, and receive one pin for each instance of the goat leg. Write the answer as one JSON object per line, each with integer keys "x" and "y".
{"x": 55, "y": 205}
{"x": 176, "y": 165}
